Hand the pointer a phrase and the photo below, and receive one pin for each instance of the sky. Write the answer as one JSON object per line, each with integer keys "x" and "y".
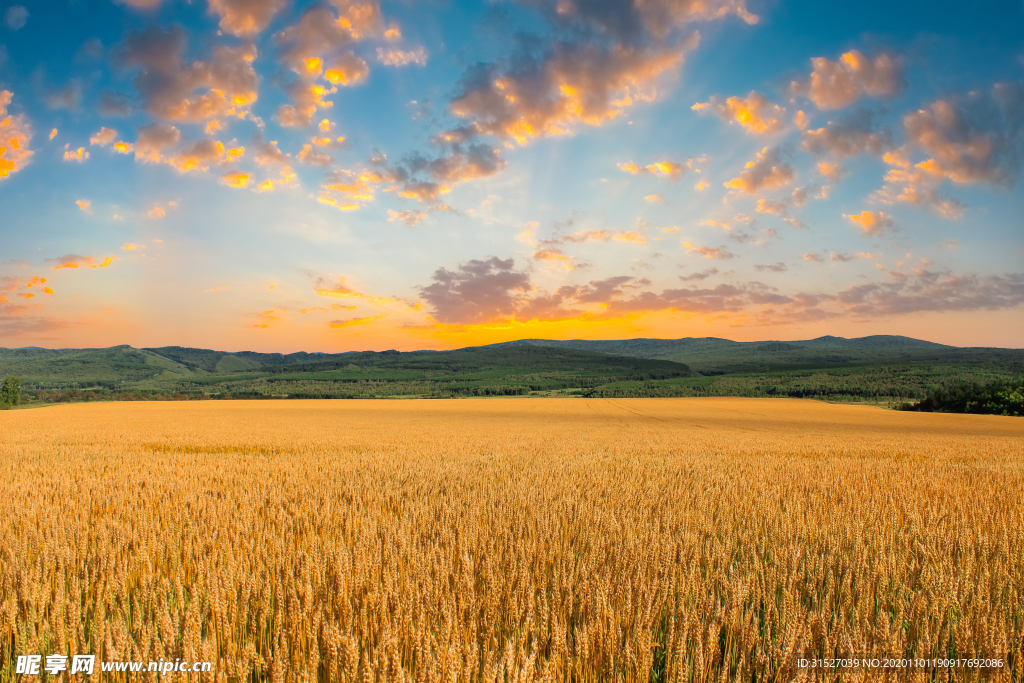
{"x": 283, "y": 175}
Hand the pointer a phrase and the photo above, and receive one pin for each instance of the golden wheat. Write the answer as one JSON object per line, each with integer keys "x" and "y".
{"x": 510, "y": 540}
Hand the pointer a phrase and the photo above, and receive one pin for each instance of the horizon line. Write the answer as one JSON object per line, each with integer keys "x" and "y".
{"x": 512, "y": 341}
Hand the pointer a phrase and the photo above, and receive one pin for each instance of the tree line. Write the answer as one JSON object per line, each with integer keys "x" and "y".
{"x": 994, "y": 398}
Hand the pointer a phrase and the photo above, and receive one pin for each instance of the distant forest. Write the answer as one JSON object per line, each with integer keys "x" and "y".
{"x": 881, "y": 370}
{"x": 997, "y": 398}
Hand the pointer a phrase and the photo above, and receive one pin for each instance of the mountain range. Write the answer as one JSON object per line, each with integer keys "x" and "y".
{"x": 868, "y": 367}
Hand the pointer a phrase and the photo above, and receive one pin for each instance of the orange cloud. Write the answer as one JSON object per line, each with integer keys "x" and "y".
{"x": 423, "y": 192}
{"x": 777, "y": 208}
{"x": 870, "y": 222}
{"x": 153, "y": 139}
{"x": 492, "y": 293}
{"x": 709, "y": 252}
{"x": 268, "y": 154}
{"x": 340, "y": 290}
{"x": 327, "y": 141}
{"x": 15, "y": 136}
{"x": 767, "y": 171}
{"x": 781, "y": 207}
{"x": 347, "y": 70}
{"x": 156, "y": 212}
{"x": 195, "y": 91}
{"x": 666, "y": 169}
{"x": 410, "y": 217}
{"x": 657, "y": 198}
{"x": 265, "y": 157}
{"x": 833, "y": 172}
{"x": 245, "y": 17}
{"x": 596, "y": 236}
{"x": 341, "y": 206}
{"x": 461, "y": 163}
{"x": 356, "y": 190}
{"x": 267, "y": 317}
{"x": 837, "y": 256}
{"x": 306, "y": 99}
{"x": 310, "y": 156}
{"x": 851, "y": 137}
{"x": 917, "y": 185}
{"x": 356, "y": 321}
{"x": 237, "y": 179}
{"x": 670, "y": 169}
{"x": 78, "y": 155}
{"x": 634, "y": 237}
{"x": 754, "y": 112}
{"x": 103, "y": 137}
{"x": 130, "y": 247}
{"x": 576, "y": 84}
{"x": 53, "y": 133}
{"x": 652, "y": 20}
{"x": 322, "y": 29}
{"x": 962, "y": 146}
{"x": 199, "y": 155}
{"x": 929, "y": 198}
{"x": 76, "y": 261}
{"x": 553, "y": 257}
{"x": 834, "y": 85}
{"x": 83, "y": 204}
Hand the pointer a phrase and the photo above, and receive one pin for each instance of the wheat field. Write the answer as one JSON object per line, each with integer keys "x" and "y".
{"x": 511, "y": 540}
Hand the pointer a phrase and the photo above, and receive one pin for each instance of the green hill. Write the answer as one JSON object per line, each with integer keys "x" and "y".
{"x": 74, "y": 374}
{"x": 82, "y": 368}
{"x": 711, "y": 355}
{"x": 876, "y": 369}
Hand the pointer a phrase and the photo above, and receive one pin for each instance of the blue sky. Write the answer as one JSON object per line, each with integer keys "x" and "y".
{"x": 492, "y": 171}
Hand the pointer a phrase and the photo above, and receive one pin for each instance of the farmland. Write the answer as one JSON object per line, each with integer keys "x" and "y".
{"x": 584, "y": 539}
